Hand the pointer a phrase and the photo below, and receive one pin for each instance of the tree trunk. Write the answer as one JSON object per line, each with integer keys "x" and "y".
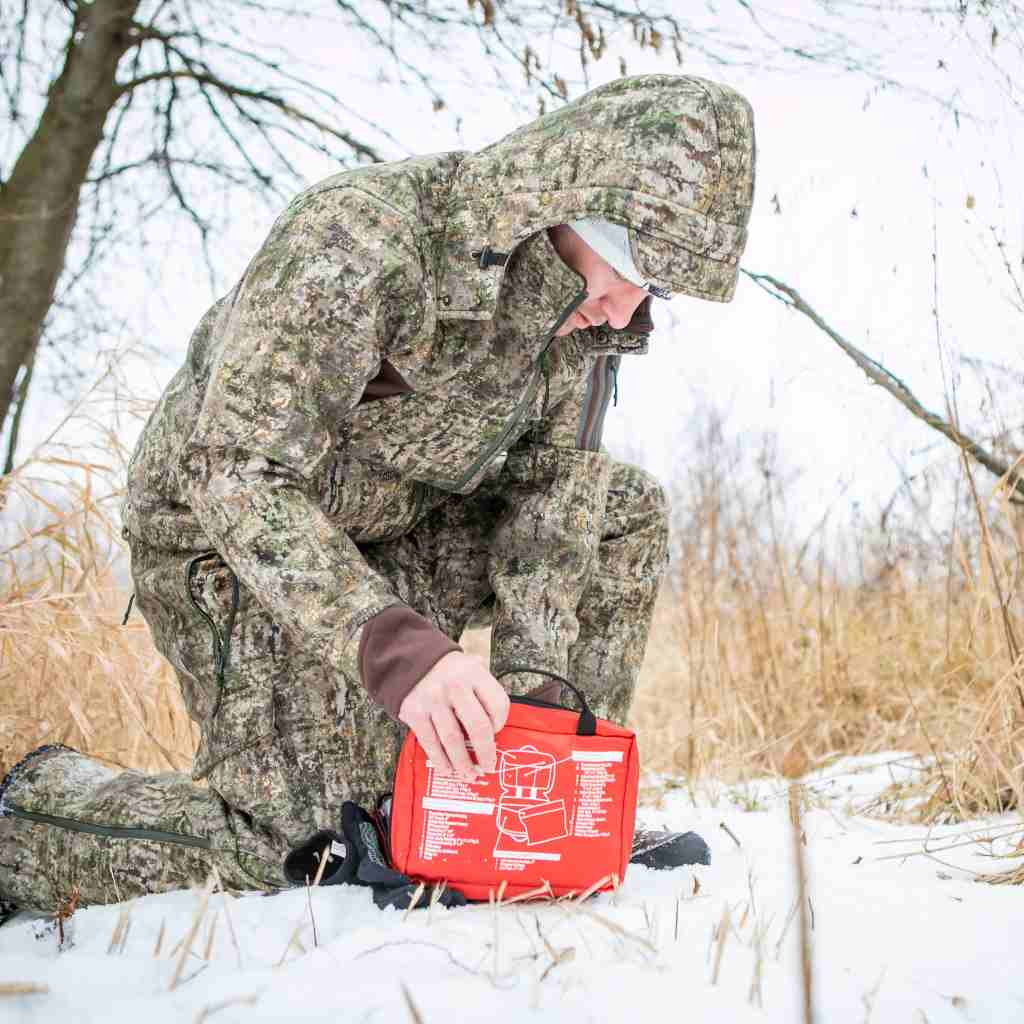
{"x": 19, "y": 403}
{"x": 39, "y": 201}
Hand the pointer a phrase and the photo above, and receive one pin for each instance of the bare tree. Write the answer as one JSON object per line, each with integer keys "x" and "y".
{"x": 122, "y": 111}
{"x": 104, "y": 99}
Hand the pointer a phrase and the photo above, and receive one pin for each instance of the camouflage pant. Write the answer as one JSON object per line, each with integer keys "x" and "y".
{"x": 282, "y": 743}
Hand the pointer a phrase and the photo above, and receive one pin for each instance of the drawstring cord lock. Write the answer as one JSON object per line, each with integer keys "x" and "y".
{"x": 488, "y": 257}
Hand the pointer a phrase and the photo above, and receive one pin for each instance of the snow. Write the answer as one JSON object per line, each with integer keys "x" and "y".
{"x": 899, "y": 934}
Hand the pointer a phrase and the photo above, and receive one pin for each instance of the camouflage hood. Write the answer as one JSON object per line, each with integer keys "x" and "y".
{"x": 669, "y": 156}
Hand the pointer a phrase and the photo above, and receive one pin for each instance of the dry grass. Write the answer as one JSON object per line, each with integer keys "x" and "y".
{"x": 761, "y": 649}
{"x": 737, "y": 681}
{"x": 73, "y": 674}
{"x": 734, "y": 682}
{"x": 872, "y": 637}
{"x": 70, "y": 672}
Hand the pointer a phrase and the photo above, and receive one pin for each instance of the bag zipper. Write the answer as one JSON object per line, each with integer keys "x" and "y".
{"x": 110, "y": 831}
{"x": 536, "y": 702}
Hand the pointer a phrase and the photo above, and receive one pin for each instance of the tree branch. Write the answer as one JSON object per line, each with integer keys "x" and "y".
{"x": 258, "y": 96}
{"x": 1013, "y": 474}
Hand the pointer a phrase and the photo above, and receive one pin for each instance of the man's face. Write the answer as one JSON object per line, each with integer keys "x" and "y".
{"x": 611, "y": 299}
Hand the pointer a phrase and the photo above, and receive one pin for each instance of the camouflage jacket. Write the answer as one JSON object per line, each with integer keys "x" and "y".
{"x": 437, "y": 272}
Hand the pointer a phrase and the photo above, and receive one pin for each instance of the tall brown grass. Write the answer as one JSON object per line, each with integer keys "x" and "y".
{"x": 872, "y": 637}
{"x": 70, "y": 672}
{"x": 762, "y": 647}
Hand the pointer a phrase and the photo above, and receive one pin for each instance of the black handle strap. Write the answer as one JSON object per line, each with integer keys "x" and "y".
{"x": 588, "y": 722}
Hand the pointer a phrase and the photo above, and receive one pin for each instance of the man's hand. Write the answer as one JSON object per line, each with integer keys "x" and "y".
{"x": 457, "y": 694}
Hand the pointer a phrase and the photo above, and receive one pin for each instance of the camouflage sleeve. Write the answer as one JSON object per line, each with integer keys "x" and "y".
{"x": 544, "y": 548}
{"x": 301, "y": 341}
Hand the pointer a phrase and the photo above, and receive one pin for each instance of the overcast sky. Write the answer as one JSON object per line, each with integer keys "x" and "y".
{"x": 853, "y": 185}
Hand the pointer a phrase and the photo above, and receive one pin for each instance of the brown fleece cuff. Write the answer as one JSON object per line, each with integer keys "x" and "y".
{"x": 397, "y": 649}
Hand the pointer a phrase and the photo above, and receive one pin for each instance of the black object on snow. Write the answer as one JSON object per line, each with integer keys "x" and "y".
{"x": 665, "y": 850}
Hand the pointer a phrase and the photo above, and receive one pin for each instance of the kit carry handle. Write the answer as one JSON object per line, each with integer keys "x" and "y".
{"x": 588, "y": 722}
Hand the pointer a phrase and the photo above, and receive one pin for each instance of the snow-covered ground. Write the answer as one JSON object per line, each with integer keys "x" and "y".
{"x": 898, "y": 935}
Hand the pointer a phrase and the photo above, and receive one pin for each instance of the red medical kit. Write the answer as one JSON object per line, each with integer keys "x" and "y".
{"x": 558, "y": 810}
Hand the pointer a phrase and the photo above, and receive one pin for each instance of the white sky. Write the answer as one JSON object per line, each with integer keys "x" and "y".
{"x": 824, "y": 152}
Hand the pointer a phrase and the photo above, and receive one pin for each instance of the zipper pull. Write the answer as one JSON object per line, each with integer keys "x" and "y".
{"x": 488, "y": 257}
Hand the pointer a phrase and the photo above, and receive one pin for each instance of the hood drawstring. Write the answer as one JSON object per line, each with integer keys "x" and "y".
{"x": 545, "y": 368}
{"x": 221, "y": 642}
{"x": 615, "y": 383}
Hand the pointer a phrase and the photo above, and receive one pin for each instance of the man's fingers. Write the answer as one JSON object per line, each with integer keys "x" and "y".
{"x": 495, "y": 702}
{"x": 427, "y": 736}
{"x": 449, "y": 732}
{"x": 477, "y": 723}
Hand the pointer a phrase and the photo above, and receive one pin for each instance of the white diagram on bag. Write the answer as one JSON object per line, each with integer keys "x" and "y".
{"x": 526, "y": 812}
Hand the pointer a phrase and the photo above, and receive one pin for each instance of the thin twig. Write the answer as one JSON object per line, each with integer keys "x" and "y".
{"x": 225, "y": 899}
{"x": 532, "y": 894}
{"x": 876, "y": 372}
{"x": 208, "y": 952}
{"x": 799, "y": 861}
{"x": 414, "y": 902}
{"x": 723, "y": 934}
{"x": 591, "y": 889}
{"x": 312, "y": 916}
{"x": 414, "y": 1013}
{"x": 616, "y": 928}
{"x": 293, "y": 941}
{"x": 120, "y": 930}
{"x": 426, "y": 945}
{"x": 729, "y": 832}
{"x": 209, "y": 1011}
{"x": 23, "y": 988}
{"x": 197, "y": 920}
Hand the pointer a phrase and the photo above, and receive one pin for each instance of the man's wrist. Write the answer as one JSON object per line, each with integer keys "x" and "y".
{"x": 397, "y": 648}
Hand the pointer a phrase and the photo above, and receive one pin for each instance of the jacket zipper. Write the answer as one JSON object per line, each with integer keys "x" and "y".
{"x": 481, "y": 460}
{"x": 110, "y": 831}
{"x": 536, "y": 702}
{"x": 495, "y": 446}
